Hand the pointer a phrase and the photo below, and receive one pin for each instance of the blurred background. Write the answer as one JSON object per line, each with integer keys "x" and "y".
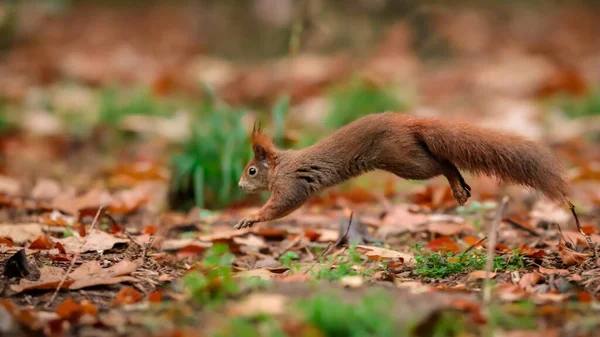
{"x": 121, "y": 93}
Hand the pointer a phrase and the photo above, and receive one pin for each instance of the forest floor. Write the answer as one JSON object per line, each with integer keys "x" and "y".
{"x": 91, "y": 243}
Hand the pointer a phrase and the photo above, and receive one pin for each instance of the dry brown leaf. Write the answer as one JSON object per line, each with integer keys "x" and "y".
{"x": 69, "y": 310}
{"x": 383, "y": 253}
{"x": 223, "y": 234}
{"x": 509, "y": 292}
{"x": 448, "y": 228}
{"x": 570, "y": 257}
{"x": 21, "y": 233}
{"x": 480, "y": 275}
{"x": 262, "y": 273}
{"x": 50, "y": 278}
{"x": 269, "y": 304}
{"x": 92, "y": 274}
{"x": 551, "y": 271}
{"x": 251, "y": 241}
{"x": 42, "y": 243}
{"x": 9, "y": 185}
{"x": 95, "y": 240}
{"x": 530, "y": 279}
{"x": 127, "y": 295}
{"x": 443, "y": 244}
{"x": 46, "y": 189}
{"x": 400, "y": 217}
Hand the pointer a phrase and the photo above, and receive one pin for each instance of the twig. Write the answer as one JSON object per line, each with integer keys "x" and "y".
{"x": 75, "y": 256}
{"x": 489, "y": 263}
{"x": 326, "y": 251}
{"x": 563, "y": 237}
{"x": 475, "y": 244}
{"x": 520, "y": 226}
{"x": 96, "y": 217}
{"x": 62, "y": 281}
{"x": 587, "y": 237}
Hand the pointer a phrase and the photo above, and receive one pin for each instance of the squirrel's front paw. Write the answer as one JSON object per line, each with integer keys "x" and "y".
{"x": 245, "y": 222}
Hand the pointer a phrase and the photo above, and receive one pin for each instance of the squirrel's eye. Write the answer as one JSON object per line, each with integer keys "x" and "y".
{"x": 252, "y": 171}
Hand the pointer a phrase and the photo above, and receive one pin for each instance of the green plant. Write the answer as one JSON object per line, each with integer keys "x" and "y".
{"x": 212, "y": 281}
{"x": 287, "y": 258}
{"x": 336, "y": 268}
{"x": 438, "y": 265}
{"x": 579, "y": 106}
{"x": 114, "y": 107}
{"x": 258, "y": 326}
{"x": 214, "y": 157}
{"x": 515, "y": 316}
{"x": 357, "y": 99}
{"x": 371, "y": 316}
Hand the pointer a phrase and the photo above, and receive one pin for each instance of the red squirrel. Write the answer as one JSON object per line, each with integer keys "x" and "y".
{"x": 411, "y": 147}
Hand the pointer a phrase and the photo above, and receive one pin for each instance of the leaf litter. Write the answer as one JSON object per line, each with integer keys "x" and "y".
{"x": 137, "y": 267}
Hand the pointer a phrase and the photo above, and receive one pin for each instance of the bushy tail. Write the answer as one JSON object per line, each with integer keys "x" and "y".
{"x": 510, "y": 158}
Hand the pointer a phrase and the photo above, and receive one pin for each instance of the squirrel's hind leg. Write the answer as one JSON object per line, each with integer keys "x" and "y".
{"x": 460, "y": 189}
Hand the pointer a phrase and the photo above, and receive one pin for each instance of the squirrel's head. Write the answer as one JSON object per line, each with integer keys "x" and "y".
{"x": 256, "y": 173}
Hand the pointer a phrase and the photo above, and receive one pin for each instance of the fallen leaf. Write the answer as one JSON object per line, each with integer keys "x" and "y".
{"x": 570, "y": 257}
{"x": 444, "y": 245}
{"x": 224, "y": 234}
{"x": 95, "y": 240}
{"x": 92, "y": 274}
{"x": 42, "y": 243}
{"x": 46, "y": 189}
{"x": 474, "y": 308}
{"x": 401, "y": 217}
{"x": 448, "y": 228}
{"x": 251, "y": 241}
{"x": 69, "y": 310}
{"x": 155, "y": 296}
{"x": 509, "y": 292}
{"x": 50, "y": 278}
{"x": 89, "y": 308}
{"x": 191, "y": 251}
{"x": 21, "y": 233}
{"x": 328, "y": 235}
{"x": 480, "y": 275}
{"x": 550, "y": 271}
{"x": 6, "y": 242}
{"x": 127, "y": 295}
{"x": 531, "y": 252}
{"x": 378, "y": 253}
{"x": 530, "y": 279}
{"x": 254, "y": 304}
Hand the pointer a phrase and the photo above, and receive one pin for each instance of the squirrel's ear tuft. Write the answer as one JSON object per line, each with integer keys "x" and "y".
{"x": 262, "y": 145}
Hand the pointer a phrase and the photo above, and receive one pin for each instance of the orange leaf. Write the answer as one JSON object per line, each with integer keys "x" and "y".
{"x": 570, "y": 257}
{"x": 150, "y": 230}
{"x": 69, "y": 310}
{"x": 61, "y": 257}
{"x": 472, "y": 307}
{"x": 89, "y": 308}
{"x": 61, "y": 248}
{"x": 42, "y": 243}
{"x": 531, "y": 252}
{"x": 155, "y": 296}
{"x": 127, "y": 295}
{"x": 6, "y": 241}
{"x": 550, "y": 271}
{"x": 443, "y": 244}
{"x": 471, "y": 240}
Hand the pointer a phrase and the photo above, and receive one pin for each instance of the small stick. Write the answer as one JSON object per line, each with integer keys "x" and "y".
{"x": 75, "y": 256}
{"x": 96, "y": 217}
{"x": 520, "y": 226}
{"x": 489, "y": 263}
{"x": 587, "y": 237}
{"x": 475, "y": 244}
{"x": 329, "y": 246}
{"x": 62, "y": 281}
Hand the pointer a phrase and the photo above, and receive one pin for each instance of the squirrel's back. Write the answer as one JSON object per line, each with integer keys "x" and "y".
{"x": 415, "y": 147}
